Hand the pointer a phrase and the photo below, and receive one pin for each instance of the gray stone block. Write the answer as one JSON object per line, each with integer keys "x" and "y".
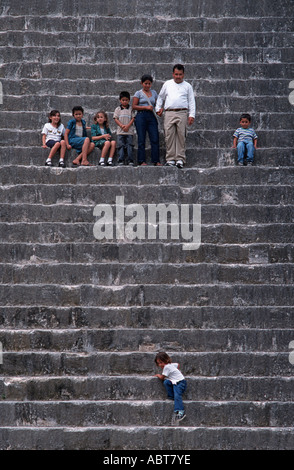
{"x": 208, "y": 389}
{"x": 79, "y": 414}
{"x": 211, "y": 364}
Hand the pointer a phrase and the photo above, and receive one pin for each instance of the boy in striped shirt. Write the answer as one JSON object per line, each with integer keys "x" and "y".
{"x": 245, "y": 138}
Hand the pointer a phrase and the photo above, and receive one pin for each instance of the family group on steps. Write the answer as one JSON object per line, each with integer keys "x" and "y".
{"x": 176, "y": 101}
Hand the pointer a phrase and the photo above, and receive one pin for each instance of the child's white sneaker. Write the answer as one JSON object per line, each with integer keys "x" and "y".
{"x": 101, "y": 162}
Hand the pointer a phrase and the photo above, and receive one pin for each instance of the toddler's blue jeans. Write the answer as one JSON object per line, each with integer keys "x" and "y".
{"x": 175, "y": 392}
{"x": 241, "y": 147}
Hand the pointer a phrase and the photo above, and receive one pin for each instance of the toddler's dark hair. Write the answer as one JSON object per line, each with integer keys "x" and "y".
{"x": 77, "y": 108}
{"x": 162, "y": 356}
{"x": 124, "y": 94}
{"x": 53, "y": 113}
{"x": 245, "y": 116}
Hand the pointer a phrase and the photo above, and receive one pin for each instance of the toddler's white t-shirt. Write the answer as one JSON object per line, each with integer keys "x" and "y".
{"x": 171, "y": 372}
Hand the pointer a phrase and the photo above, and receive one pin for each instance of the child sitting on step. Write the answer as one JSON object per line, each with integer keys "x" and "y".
{"x": 102, "y": 137}
{"x": 52, "y": 135}
{"x": 76, "y": 137}
{"x": 174, "y": 383}
{"x": 245, "y": 139}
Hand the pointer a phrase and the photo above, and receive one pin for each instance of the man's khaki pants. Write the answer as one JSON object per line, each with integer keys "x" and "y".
{"x": 175, "y": 132}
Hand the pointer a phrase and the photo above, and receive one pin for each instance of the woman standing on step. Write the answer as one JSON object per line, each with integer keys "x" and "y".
{"x": 146, "y": 122}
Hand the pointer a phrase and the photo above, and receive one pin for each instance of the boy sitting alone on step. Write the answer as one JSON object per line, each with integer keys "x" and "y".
{"x": 245, "y": 139}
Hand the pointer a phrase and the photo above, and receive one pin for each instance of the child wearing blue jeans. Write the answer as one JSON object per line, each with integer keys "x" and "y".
{"x": 174, "y": 383}
{"x": 245, "y": 138}
{"x": 124, "y": 117}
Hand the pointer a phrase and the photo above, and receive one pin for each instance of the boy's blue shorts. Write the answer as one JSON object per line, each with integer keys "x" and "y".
{"x": 77, "y": 143}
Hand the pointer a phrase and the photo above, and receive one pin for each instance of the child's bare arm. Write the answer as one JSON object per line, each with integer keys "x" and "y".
{"x": 44, "y": 140}
{"x": 160, "y": 376}
{"x": 66, "y": 139}
{"x": 127, "y": 126}
{"x": 235, "y": 142}
{"x": 99, "y": 137}
{"x": 117, "y": 121}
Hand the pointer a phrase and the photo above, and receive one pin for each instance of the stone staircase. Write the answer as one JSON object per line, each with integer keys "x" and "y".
{"x": 81, "y": 319}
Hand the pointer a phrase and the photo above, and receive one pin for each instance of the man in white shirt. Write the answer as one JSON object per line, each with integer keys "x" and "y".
{"x": 176, "y": 99}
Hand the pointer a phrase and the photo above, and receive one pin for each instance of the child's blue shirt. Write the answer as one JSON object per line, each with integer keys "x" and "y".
{"x": 71, "y": 125}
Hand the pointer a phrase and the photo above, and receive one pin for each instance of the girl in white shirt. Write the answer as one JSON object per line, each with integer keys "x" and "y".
{"x": 52, "y": 135}
{"x": 174, "y": 383}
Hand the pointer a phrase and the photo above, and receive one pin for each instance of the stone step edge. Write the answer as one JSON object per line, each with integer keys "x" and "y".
{"x": 174, "y": 243}
{"x": 8, "y": 381}
{"x": 134, "y": 428}
{"x": 87, "y": 206}
{"x": 201, "y": 170}
{"x": 119, "y": 287}
{"x": 123, "y": 264}
{"x": 33, "y": 148}
{"x": 180, "y": 354}
{"x": 77, "y": 185}
{"x": 59, "y": 331}
{"x": 145, "y": 403}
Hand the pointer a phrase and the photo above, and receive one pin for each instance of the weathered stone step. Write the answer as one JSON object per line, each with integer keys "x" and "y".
{"x": 146, "y": 295}
{"x": 92, "y": 103}
{"x": 218, "y": 138}
{"x": 118, "y": 274}
{"x": 142, "y": 55}
{"x": 56, "y": 193}
{"x": 211, "y": 364}
{"x": 142, "y": 177}
{"x": 197, "y": 157}
{"x": 185, "y": 340}
{"x": 205, "y": 88}
{"x": 144, "y": 438}
{"x": 73, "y": 68}
{"x": 234, "y": 317}
{"x": 252, "y": 254}
{"x": 158, "y": 9}
{"x": 134, "y": 39}
{"x": 261, "y": 389}
{"x": 83, "y": 232}
{"x": 204, "y": 121}
{"x": 210, "y": 213}
{"x": 169, "y": 24}
{"x": 151, "y": 413}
